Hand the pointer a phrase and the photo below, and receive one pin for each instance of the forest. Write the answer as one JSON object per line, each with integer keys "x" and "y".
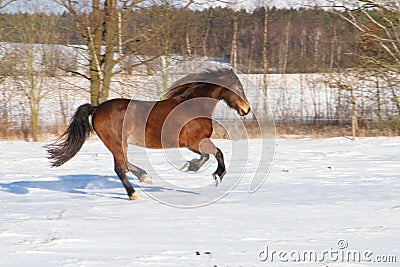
{"x": 355, "y": 50}
{"x": 299, "y": 40}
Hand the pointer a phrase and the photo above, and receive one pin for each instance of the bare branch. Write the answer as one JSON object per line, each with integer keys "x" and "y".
{"x": 3, "y": 4}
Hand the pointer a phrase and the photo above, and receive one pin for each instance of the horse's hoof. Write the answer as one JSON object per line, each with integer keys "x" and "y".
{"x": 135, "y": 196}
{"x": 186, "y": 167}
{"x": 217, "y": 180}
{"x": 149, "y": 181}
{"x": 146, "y": 179}
{"x": 190, "y": 166}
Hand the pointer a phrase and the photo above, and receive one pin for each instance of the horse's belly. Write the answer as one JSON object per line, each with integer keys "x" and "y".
{"x": 157, "y": 140}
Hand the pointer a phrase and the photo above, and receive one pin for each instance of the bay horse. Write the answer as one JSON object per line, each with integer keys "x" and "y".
{"x": 182, "y": 119}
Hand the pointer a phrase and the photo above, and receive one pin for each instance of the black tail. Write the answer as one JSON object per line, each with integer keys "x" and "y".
{"x": 71, "y": 141}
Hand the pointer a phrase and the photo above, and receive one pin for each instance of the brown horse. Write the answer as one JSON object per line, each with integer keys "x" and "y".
{"x": 182, "y": 119}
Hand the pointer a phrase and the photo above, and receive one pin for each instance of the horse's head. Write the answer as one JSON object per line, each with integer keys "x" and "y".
{"x": 222, "y": 84}
{"x": 233, "y": 94}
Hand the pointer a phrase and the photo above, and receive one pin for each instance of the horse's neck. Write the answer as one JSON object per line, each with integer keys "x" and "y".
{"x": 201, "y": 98}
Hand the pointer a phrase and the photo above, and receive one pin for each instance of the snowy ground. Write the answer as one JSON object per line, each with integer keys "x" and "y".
{"x": 330, "y": 196}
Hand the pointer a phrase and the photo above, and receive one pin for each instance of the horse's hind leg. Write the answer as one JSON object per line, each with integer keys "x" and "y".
{"x": 195, "y": 164}
{"x": 110, "y": 132}
{"x": 139, "y": 173}
{"x": 121, "y": 170}
{"x": 120, "y": 164}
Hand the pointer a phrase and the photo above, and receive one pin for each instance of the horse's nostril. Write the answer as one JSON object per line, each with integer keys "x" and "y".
{"x": 243, "y": 112}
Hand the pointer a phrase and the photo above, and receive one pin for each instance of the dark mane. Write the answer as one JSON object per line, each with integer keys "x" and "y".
{"x": 187, "y": 84}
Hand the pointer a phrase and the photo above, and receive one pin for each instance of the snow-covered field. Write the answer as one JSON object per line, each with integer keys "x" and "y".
{"x": 322, "y": 196}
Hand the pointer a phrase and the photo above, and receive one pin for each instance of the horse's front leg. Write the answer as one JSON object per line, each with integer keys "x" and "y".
{"x": 221, "y": 171}
{"x": 206, "y": 146}
{"x": 195, "y": 164}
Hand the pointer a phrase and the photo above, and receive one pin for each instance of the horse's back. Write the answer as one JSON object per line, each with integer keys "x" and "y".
{"x": 113, "y": 105}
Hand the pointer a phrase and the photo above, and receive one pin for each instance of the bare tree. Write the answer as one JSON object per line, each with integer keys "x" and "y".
{"x": 101, "y": 24}
{"x": 98, "y": 25}
{"x": 379, "y": 47}
{"x": 377, "y": 22}
{"x": 32, "y": 58}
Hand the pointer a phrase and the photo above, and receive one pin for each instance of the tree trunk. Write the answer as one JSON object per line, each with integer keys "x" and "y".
{"x": 286, "y": 47}
{"x": 187, "y": 40}
{"x": 339, "y": 107}
{"x": 35, "y": 122}
{"x": 95, "y": 41}
{"x": 317, "y": 39}
{"x": 303, "y": 50}
{"x": 396, "y": 99}
{"x": 110, "y": 34}
{"x": 234, "y": 41}
{"x": 104, "y": 28}
{"x": 302, "y": 99}
{"x": 379, "y": 105}
{"x": 354, "y": 122}
{"x": 265, "y": 51}
{"x": 252, "y": 43}
{"x": 34, "y": 98}
{"x": 333, "y": 45}
{"x": 206, "y": 33}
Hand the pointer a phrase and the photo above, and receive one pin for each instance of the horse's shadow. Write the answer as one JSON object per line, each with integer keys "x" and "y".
{"x": 83, "y": 184}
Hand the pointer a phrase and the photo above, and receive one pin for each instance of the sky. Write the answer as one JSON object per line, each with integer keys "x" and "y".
{"x": 46, "y": 5}
{"x": 251, "y": 4}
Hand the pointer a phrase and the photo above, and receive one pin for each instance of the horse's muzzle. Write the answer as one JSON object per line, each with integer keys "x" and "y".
{"x": 243, "y": 112}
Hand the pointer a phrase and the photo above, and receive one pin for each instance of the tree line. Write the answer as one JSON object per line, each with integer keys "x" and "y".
{"x": 356, "y": 45}
{"x": 299, "y": 40}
